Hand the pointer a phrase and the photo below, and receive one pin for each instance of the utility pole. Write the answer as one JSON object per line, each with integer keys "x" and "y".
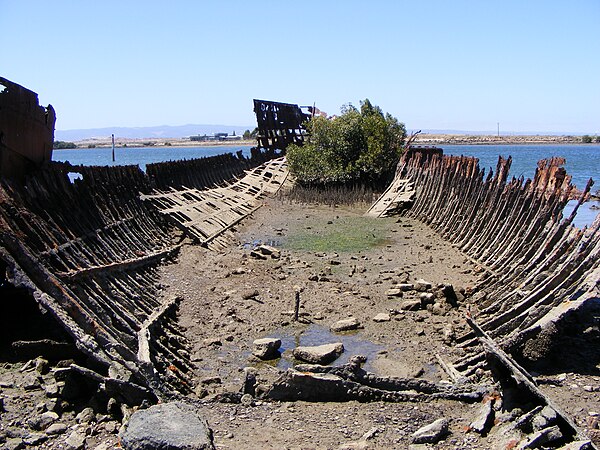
{"x": 113, "y": 147}
{"x": 498, "y": 129}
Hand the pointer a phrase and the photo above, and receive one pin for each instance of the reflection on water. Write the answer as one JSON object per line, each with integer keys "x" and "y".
{"x": 354, "y": 344}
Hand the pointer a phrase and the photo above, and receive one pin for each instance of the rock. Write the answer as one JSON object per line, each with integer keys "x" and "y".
{"x": 405, "y": 287}
{"x": 15, "y": 443}
{"x": 167, "y": 426}
{"x": 484, "y": 417}
{"x": 432, "y": 433}
{"x": 421, "y": 285}
{"x": 52, "y": 390}
{"x": 34, "y": 439}
{"x": 43, "y": 421}
{"x": 541, "y": 437}
{"x": 320, "y": 354}
{"x": 546, "y": 417}
{"x": 426, "y": 298}
{"x": 31, "y": 382}
{"x": 270, "y": 251}
{"x": 576, "y": 445}
{"x": 42, "y": 366}
{"x": 381, "y": 317}
{"x": 440, "y": 309}
{"x": 212, "y": 341}
{"x": 56, "y": 428}
{"x": 238, "y": 271}
{"x": 1, "y": 404}
{"x": 85, "y": 416}
{"x": 394, "y": 292}
{"x": 247, "y": 400}
{"x": 351, "y": 323}
{"x": 210, "y": 380}
{"x": 257, "y": 255}
{"x": 410, "y": 305}
{"x": 250, "y": 293}
{"x": 266, "y": 348}
{"x": 448, "y": 334}
{"x": 76, "y": 440}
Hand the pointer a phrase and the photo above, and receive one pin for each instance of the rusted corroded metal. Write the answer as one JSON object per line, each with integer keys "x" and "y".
{"x": 279, "y": 124}
{"x": 26, "y": 130}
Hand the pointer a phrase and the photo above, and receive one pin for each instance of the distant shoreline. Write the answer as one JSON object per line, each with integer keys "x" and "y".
{"x": 422, "y": 139}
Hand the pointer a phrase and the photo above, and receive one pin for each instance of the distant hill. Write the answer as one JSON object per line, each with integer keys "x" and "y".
{"x": 163, "y": 131}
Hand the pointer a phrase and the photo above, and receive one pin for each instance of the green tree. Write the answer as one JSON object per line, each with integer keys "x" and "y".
{"x": 586, "y": 139}
{"x": 246, "y": 135}
{"x": 60, "y": 145}
{"x": 360, "y": 144}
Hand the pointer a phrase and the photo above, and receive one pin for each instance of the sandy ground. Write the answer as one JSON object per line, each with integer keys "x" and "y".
{"x": 221, "y": 324}
{"x": 344, "y": 263}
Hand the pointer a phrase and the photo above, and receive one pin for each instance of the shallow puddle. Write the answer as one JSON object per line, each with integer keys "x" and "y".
{"x": 354, "y": 344}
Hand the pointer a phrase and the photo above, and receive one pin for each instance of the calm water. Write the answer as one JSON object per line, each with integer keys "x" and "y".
{"x": 141, "y": 155}
{"x": 583, "y": 161}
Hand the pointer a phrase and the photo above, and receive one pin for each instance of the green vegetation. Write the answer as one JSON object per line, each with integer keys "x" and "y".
{"x": 356, "y": 146}
{"x": 345, "y": 234}
{"x": 250, "y": 135}
{"x": 586, "y": 139}
{"x": 61, "y": 145}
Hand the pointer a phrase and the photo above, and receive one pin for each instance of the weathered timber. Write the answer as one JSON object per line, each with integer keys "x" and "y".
{"x": 524, "y": 380}
{"x": 279, "y": 124}
{"x": 313, "y": 382}
{"x": 540, "y": 269}
{"x": 207, "y": 214}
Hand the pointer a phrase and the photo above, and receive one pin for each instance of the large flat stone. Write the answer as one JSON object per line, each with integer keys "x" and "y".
{"x": 320, "y": 354}
{"x": 351, "y": 323}
{"x": 167, "y": 426}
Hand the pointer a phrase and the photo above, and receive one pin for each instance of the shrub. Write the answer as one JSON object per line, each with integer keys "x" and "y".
{"x": 356, "y": 146}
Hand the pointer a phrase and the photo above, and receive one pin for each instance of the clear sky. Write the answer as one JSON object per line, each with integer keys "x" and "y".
{"x": 463, "y": 65}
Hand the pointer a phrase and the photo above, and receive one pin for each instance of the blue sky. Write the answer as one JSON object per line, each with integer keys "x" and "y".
{"x": 463, "y": 65}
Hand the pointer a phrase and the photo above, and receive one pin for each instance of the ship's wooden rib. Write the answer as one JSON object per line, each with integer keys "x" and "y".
{"x": 87, "y": 250}
{"x": 540, "y": 268}
{"x": 206, "y": 214}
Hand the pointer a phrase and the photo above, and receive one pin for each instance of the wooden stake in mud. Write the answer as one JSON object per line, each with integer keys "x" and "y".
{"x": 297, "y": 303}
{"x": 113, "y": 147}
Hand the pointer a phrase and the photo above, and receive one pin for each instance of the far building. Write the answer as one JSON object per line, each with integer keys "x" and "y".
{"x": 216, "y": 137}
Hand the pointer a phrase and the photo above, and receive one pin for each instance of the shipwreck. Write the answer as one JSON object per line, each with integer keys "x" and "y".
{"x": 79, "y": 258}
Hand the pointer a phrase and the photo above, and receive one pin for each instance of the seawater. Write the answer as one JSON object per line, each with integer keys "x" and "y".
{"x": 582, "y": 161}
{"x": 141, "y": 156}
